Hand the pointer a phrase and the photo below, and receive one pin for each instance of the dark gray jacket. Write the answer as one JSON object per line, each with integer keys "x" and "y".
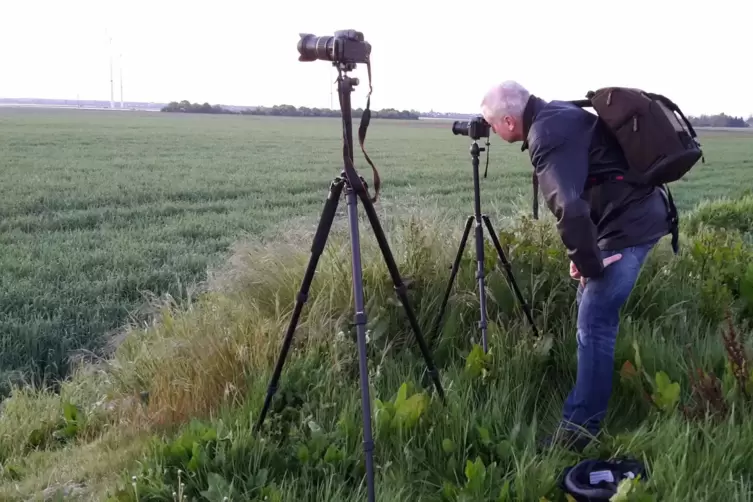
{"x": 568, "y": 146}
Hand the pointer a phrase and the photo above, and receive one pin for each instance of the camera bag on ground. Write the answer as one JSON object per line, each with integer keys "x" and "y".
{"x": 598, "y": 480}
{"x": 659, "y": 146}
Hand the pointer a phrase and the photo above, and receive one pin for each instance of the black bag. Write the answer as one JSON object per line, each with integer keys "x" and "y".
{"x": 597, "y": 480}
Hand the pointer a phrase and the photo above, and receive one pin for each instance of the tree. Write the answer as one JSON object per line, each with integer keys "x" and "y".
{"x": 720, "y": 120}
{"x": 188, "y": 107}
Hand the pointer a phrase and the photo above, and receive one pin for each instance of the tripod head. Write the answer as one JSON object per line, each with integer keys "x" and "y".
{"x": 475, "y": 149}
{"x": 343, "y": 67}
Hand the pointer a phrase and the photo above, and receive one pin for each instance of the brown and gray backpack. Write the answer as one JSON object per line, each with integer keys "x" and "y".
{"x": 658, "y": 141}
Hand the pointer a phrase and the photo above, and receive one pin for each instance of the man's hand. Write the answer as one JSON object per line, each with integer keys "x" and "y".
{"x": 606, "y": 262}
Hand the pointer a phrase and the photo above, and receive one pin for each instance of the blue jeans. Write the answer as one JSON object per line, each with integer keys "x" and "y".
{"x": 599, "y": 305}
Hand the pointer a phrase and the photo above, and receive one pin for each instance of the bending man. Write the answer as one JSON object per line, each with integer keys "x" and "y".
{"x": 608, "y": 229}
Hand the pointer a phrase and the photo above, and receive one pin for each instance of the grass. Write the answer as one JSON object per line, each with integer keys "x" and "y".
{"x": 98, "y": 211}
{"x": 171, "y": 410}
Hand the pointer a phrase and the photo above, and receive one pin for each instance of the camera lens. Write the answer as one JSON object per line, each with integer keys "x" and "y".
{"x": 460, "y": 127}
{"x": 312, "y": 47}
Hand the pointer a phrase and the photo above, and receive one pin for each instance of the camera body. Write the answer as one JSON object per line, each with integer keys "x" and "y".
{"x": 345, "y": 47}
{"x": 476, "y": 128}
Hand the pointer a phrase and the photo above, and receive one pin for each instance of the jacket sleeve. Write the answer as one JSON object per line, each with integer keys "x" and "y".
{"x": 561, "y": 166}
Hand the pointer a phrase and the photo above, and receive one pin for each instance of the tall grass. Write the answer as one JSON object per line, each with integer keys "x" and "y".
{"x": 170, "y": 414}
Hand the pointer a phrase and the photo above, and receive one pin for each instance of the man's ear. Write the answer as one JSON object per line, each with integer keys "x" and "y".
{"x": 509, "y": 123}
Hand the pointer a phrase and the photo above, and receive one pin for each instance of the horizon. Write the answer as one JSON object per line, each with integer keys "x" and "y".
{"x": 168, "y": 53}
{"x": 239, "y": 106}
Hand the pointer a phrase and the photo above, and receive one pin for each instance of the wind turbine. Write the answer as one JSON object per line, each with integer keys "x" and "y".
{"x": 112, "y": 88}
{"x": 120, "y": 63}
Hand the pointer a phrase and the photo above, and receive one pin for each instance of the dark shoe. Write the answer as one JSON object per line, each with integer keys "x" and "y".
{"x": 571, "y": 440}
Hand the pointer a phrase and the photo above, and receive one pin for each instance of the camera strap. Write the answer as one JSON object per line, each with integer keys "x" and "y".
{"x": 488, "y": 145}
{"x": 365, "y": 119}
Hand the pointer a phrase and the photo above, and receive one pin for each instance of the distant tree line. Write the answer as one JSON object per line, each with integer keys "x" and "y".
{"x": 720, "y": 120}
{"x": 303, "y": 111}
{"x": 285, "y": 111}
{"x": 188, "y": 107}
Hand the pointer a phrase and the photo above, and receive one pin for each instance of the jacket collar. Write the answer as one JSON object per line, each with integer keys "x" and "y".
{"x": 533, "y": 106}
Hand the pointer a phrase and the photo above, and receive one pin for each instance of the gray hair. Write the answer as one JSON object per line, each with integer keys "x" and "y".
{"x": 507, "y": 98}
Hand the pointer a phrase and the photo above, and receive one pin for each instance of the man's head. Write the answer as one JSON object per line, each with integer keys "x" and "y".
{"x": 502, "y": 107}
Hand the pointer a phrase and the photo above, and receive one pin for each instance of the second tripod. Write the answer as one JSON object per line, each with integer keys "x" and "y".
{"x": 477, "y": 217}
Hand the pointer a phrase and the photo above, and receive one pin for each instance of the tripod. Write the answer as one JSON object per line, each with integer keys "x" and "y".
{"x": 353, "y": 185}
{"x": 478, "y": 217}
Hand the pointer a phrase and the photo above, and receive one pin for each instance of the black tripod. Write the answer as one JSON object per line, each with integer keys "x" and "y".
{"x": 477, "y": 217}
{"x": 354, "y": 185}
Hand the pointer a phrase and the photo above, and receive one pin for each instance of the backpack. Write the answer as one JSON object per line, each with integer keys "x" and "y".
{"x": 659, "y": 147}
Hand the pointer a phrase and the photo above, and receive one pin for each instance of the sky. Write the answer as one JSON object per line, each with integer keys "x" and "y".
{"x": 424, "y": 56}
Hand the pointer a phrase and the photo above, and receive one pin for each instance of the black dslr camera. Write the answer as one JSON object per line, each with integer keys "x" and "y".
{"x": 476, "y": 128}
{"x": 346, "y": 47}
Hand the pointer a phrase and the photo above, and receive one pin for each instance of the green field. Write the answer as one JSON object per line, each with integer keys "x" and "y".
{"x": 99, "y": 210}
{"x": 103, "y": 212}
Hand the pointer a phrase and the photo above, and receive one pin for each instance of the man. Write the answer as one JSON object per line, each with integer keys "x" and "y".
{"x": 608, "y": 229}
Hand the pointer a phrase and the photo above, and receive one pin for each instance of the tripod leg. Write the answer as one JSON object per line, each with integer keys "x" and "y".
{"x": 480, "y": 278}
{"x": 510, "y": 275}
{"x": 455, "y": 267}
{"x": 360, "y": 322}
{"x": 400, "y": 289}
{"x": 320, "y": 239}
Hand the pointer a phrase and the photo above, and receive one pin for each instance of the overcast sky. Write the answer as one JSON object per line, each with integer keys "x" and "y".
{"x": 425, "y": 56}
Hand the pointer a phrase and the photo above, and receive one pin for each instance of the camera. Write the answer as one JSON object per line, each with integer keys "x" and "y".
{"x": 476, "y": 128}
{"x": 346, "y": 46}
